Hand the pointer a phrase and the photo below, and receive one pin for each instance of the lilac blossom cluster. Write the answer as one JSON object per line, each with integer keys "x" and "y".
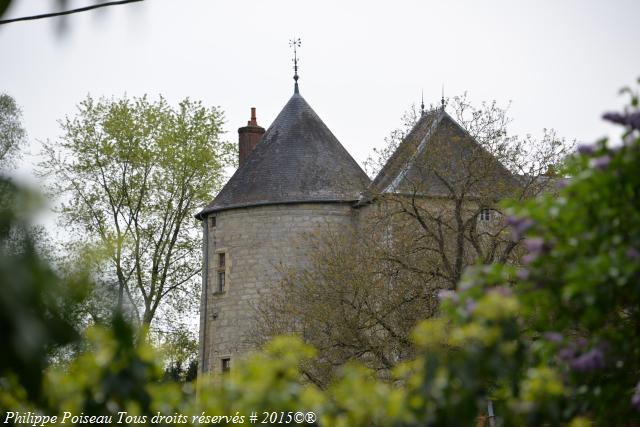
{"x": 626, "y": 119}
{"x": 519, "y": 226}
{"x": 600, "y": 162}
{"x": 578, "y": 359}
{"x": 603, "y": 161}
{"x": 535, "y": 246}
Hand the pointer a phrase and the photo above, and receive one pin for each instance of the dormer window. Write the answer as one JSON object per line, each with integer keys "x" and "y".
{"x": 485, "y": 214}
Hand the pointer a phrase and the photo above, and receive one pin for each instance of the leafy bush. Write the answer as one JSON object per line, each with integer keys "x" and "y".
{"x": 555, "y": 343}
{"x": 558, "y": 341}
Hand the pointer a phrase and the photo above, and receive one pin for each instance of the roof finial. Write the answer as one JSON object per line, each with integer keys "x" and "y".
{"x": 422, "y": 104}
{"x": 295, "y": 43}
{"x": 442, "y": 99}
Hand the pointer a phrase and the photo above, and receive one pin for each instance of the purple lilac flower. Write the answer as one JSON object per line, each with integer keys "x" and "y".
{"x": 586, "y": 149}
{"x": 633, "y": 254}
{"x": 635, "y": 399}
{"x": 601, "y": 162}
{"x": 534, "y": 245}
{"x": 571, "y": 351}
{"x": 512, "y": 220}
{"x": 447, "y": 294}
{"x": 589, "y": 361}
{"x": 616, "y": 118}
{"x": 562, "y": 183}
{"x": 634, "y": 120}
{"x": 529, "y": 258}
{"x": 519, "y": 226}
{"x": 555, "y": 337}
{"x": 567, "y": 353}
{"x": 470, "y": 305}
{"x": 522, "y": 274}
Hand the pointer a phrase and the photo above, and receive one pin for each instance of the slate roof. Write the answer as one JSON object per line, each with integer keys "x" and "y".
{"x": 297, "y": 160}
{"x": 437, "y": 155}
{"x": 402, "y": 155}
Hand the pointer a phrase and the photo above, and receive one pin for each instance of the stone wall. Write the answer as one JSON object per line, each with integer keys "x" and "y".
{"x": 257, "y": 243}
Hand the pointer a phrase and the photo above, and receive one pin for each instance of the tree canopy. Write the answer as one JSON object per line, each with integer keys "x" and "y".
{"x": 130, "y": 173}
{"x": 12, "y": 134}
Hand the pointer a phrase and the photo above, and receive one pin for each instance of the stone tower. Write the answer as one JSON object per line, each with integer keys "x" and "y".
{"x": 297, "y": 179}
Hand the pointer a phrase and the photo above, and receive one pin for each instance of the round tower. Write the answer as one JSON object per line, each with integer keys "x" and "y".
{"x": 296, "y": 180}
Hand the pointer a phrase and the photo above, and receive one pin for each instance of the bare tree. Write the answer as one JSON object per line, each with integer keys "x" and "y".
{"x": 446, "y": 181}
{"x": 350, "y": 303}
{"x": 433, "y": 209}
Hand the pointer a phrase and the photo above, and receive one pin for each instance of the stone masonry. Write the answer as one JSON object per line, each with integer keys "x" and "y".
{"x": 294, "y": 180}
{"x": 256, "y": 242}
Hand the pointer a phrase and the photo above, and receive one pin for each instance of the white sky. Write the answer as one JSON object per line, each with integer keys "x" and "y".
{"x": 362, "y": 62}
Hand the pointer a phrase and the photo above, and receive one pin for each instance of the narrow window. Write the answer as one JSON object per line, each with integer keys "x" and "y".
{"x": 212, "y": 221}
{"x": 226, "y": 364}
{"x": 221, "y": 272}
{"x": 485, "y": 214}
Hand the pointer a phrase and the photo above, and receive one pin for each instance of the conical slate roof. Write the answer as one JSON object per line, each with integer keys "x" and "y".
{"x": 297, "y": 160}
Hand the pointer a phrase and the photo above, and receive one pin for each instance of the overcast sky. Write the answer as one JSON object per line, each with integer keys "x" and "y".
{"x": 362, "y": 62}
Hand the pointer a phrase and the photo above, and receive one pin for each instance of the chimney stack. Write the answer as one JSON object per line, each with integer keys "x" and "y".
{"x": 248, "y": 137}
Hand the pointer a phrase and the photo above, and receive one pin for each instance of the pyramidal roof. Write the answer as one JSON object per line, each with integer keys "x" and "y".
{"x": 437, "y": 157}
{"x": 297, "y": 160}
{"x": 401, "y": 158}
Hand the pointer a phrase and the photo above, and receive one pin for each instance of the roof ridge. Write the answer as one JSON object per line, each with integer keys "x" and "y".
{"x": 390, "y": 163}
{"x": 423, "y": 142}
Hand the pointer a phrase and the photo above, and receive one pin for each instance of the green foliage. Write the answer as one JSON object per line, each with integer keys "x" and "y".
{"x": 265, "y": 381}
{"x": 4, "y": 5}
{"x": 132, "y": 172}
{"x": 12, "y": 134}
{"x": 34, "y": 301}
{"x": 180, "y": 351}
{"x": 582, "y": 281}
{"x": 115, "y": 373}
{"x": 556, "y": 343}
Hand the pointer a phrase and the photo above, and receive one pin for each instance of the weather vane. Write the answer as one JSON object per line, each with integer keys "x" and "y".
{"x": 295, "y": 44}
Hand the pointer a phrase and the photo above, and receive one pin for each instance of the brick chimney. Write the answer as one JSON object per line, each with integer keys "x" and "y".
{"x": 248, "y": 137}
